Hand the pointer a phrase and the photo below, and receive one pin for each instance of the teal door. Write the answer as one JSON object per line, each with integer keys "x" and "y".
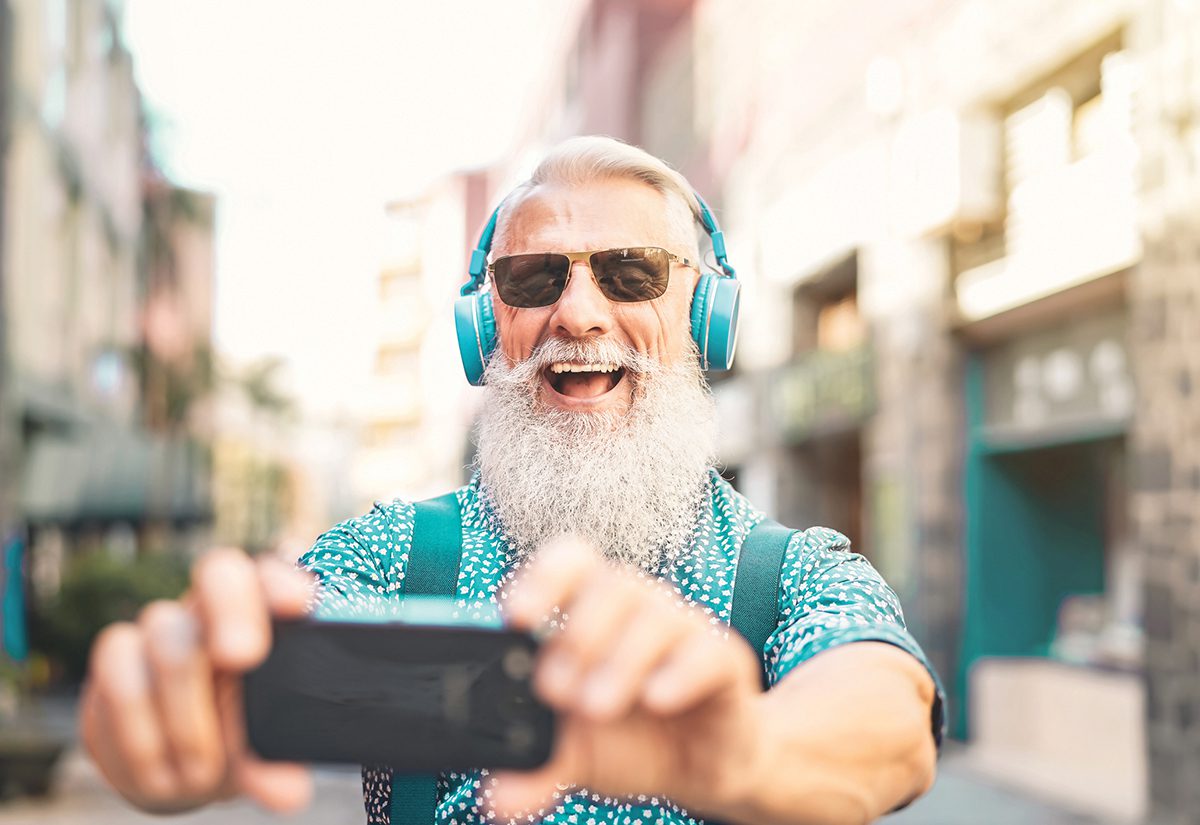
{"x": 1036, "y": 533}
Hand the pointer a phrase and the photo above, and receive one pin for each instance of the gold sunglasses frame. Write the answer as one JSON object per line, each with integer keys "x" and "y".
{"x": 585, "y": 257}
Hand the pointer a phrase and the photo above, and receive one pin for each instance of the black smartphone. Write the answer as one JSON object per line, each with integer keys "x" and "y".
{"x": 422, "y": 699}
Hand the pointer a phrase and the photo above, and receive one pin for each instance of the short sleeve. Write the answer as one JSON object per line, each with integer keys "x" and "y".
{"x": 360, "y": 562}
{"x": 830, "y": 596}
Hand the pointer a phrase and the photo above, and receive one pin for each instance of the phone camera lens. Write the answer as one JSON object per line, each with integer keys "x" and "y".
{"x": 517, "y": 663}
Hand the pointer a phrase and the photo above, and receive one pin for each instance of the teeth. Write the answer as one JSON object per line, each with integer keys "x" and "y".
{"x": 561, "y": 366}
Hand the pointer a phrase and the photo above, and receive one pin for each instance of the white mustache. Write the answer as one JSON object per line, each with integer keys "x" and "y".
{"x": 555, "y": 350}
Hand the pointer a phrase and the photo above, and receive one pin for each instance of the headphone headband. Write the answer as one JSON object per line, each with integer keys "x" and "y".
{"x": 716, "y": 235}
{"x": 479, "y": 256}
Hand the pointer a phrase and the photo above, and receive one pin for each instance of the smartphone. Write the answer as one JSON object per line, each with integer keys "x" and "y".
{"x": 420, "y": 698}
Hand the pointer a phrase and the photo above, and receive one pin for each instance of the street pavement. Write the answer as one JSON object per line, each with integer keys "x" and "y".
{"x": 80, "y": 797}
{"x": 963, "y": 797}
{"x": 959, "y": 798}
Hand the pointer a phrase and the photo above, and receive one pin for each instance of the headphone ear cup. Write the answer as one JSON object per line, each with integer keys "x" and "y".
{"x": 475, "y": 325}
{"x": 715, "y": 307}
{"x": 701, "y": 299}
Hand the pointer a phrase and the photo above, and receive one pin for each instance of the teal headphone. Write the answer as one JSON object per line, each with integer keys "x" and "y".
{"x": 714, "y": 317}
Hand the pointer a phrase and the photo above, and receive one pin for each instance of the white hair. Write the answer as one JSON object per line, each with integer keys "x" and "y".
{"x": 582, "y": 160}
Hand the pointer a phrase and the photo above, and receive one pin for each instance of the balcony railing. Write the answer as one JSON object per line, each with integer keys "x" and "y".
{"x": 821, "y": 392}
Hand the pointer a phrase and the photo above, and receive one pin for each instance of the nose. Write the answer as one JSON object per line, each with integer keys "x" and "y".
{"x": 582, "y": 311}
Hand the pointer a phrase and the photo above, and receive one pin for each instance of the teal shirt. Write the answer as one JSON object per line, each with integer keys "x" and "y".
{"x": 828, "y": 596}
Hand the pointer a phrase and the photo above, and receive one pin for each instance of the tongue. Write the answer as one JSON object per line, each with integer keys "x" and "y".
{"x": 584, "y": 384}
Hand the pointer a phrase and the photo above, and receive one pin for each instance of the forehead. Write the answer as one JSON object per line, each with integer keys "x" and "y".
{"x": 600, "y": 214}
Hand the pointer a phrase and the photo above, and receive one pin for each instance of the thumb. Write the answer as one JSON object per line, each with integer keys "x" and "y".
{"x": 518, "y": 793}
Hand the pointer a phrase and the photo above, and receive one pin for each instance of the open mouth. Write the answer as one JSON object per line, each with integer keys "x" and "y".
{"x": 583, "y": 381}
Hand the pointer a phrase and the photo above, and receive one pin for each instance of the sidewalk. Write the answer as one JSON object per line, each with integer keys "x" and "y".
{"x": 963, "y": 797}
{"x": 82, "y": 798}
{"x": 960, "y": 797}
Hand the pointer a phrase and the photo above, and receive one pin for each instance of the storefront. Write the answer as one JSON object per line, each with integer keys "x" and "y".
{"x": 1051, "y": 654}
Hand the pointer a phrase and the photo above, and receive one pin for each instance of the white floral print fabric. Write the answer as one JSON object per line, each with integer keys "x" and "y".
{"x": 828, "y": 596}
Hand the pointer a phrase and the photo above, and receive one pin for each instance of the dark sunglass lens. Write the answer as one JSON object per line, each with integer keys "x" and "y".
{"x": 634, "y": 274}
{"x": 531, "y": 280}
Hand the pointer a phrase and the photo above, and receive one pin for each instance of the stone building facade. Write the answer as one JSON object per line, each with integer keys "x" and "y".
{"x": 1013, "y": 184}
{"x": 970, "y": 334}
{"x": 1165, "y": 332}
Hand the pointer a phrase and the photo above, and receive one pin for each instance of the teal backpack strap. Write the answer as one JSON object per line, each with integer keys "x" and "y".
{"x": 755, "y": 609}
{"x": 433, "y": 561}
{"x": 432, "y": 570}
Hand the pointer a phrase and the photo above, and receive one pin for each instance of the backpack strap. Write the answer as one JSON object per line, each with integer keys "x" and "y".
{"x": 432, "y": 570}
{"x": 436, "y": 553}
{"x": 755, "y": 609}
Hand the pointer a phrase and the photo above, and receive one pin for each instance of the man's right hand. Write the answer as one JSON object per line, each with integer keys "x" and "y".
{"x": 161, "y": 711}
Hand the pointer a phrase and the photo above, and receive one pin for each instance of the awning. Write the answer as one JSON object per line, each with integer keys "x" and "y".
{"x": 104, "y": 473}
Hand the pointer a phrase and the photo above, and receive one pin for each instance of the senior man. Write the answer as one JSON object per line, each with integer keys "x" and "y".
{"x": 597, "y": 423}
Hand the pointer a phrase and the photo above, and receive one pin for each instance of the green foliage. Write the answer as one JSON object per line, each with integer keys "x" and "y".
{"x": 97, "y": 590}
{"x": 260, "y": 383}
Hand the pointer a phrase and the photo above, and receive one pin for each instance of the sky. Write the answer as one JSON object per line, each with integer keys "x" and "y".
{"x": 305, "y": 118}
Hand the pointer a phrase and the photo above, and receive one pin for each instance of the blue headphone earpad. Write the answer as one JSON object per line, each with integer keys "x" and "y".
{"x": 715, "y": 306}
{"x": 723, "y": 323}
{"x": 475, "y": 326}
{"x": 700, "y": 303}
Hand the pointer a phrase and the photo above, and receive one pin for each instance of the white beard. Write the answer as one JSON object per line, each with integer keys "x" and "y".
{"x": 630, "y": 483}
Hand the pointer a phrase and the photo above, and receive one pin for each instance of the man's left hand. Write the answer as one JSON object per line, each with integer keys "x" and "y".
{"x": 654, "y": 696}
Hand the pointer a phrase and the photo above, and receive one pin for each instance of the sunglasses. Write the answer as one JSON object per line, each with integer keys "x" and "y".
{"x": 636, "y": 273}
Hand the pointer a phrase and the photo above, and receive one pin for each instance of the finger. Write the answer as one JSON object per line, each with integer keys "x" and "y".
{"x": 288, "y": 590}
{"x": 598, "y": 616}
{"x": 701, "y": 668}
{"x": 233, "y": 608}
{"x": 655, "y": 632}
{"x": 138, "y": 750}
{"x": 551, "y": 579}
{"x": 182, "y": 687}
{"x": 282, "y": 787}
{"x": 100, "y": 743}
{"x": 517, "y": 795}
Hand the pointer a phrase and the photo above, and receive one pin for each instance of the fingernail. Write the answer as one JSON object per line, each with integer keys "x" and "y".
{"x": 600, "y": 693}
{"x": 177, "y": 637}
{"x": 659, "y": 692}
{"x": 558, "y": 673}
{"x": 236, "y": 643}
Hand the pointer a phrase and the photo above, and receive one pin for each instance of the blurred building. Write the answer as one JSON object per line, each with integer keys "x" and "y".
{"x": 419, "y": 408}
{"x": 962, "y": 227}
{"x": 255, "y": 434}
{"x": 107, "y": 272}
{"x": 418, "y": 411}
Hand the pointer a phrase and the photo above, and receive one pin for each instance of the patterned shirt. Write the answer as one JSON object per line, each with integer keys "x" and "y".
{"x": 828, "y": 596}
